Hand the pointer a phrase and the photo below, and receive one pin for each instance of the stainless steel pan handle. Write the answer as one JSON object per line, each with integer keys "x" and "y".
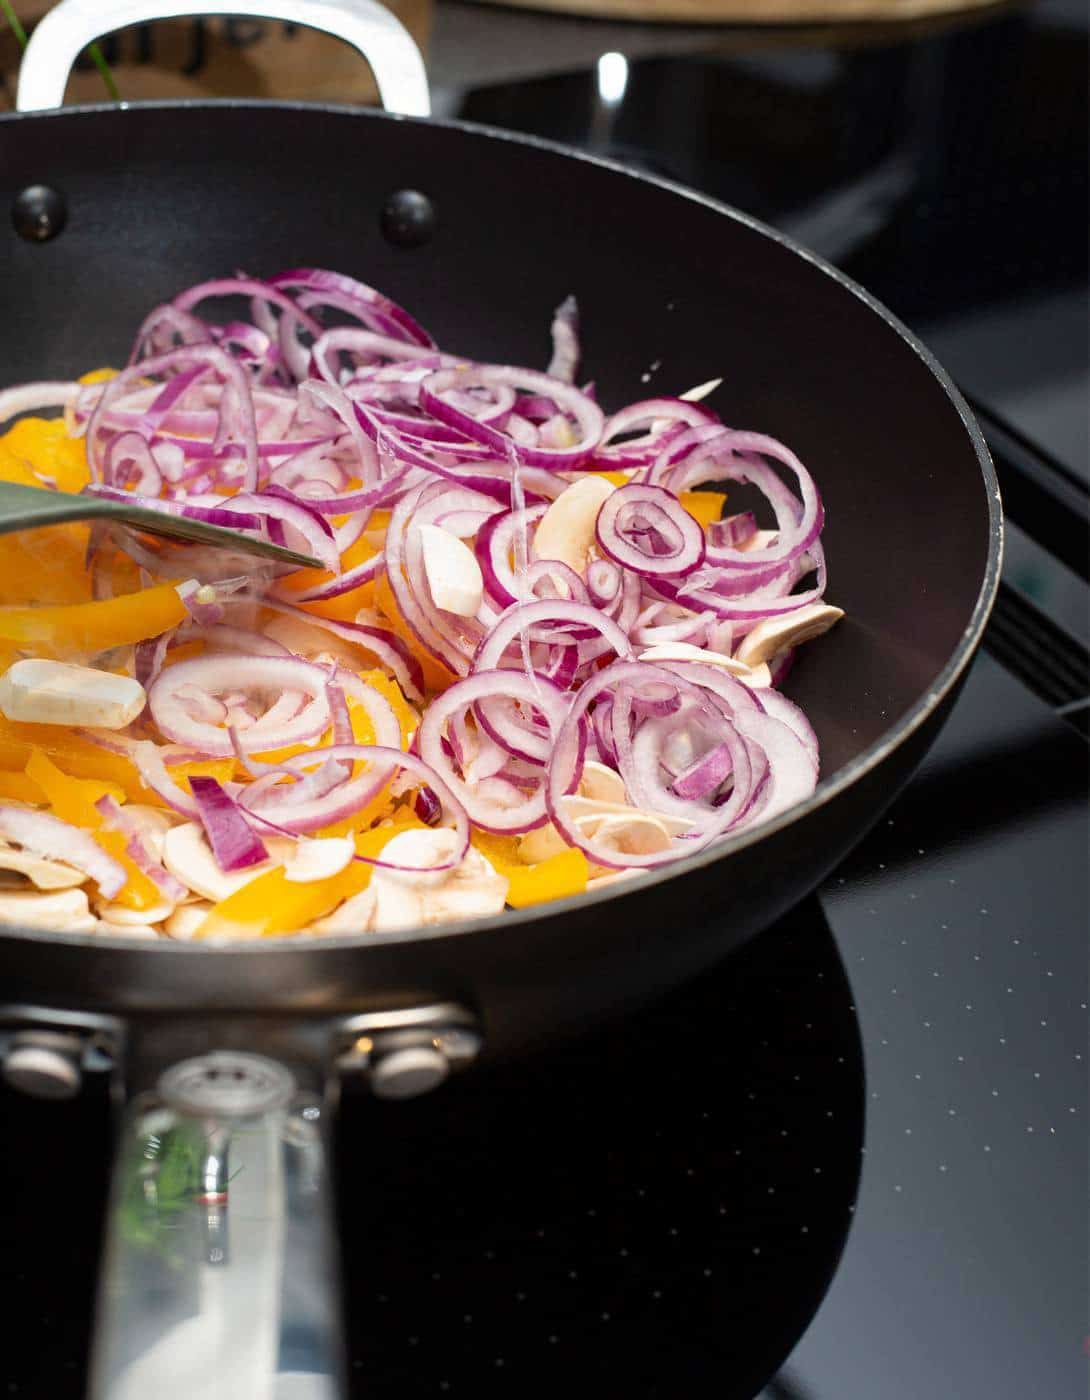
{"x": 63, "y": 34}
{"x": 218, "y": 1280}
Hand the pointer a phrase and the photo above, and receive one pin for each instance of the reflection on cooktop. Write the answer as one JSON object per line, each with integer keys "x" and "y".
{"x": 659, "y": 1206}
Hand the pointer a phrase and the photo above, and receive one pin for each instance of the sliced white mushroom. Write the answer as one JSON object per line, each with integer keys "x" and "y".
{"x": 186, "y": 920}
{"x": 589, "y": 814}
{"x": 630, "y": 833}
{"x": 421, "y": 896}
{"x": 355, "y": 915}
{"x": 153, "y": 823}
{"x": 318, "y": 859}
{"x": 755, "y": 676}
{"x": 54, "y": 692}
{"x": 541, "y": 844}
{"x": 66, "y": 911}
{"x": 454, "y": 576}
{"x": 42, "y": 874}
{"x": 779, "y": 633}
{"x": 601, "y": 783}
{"x": 188, "y": 856}
{"x": 125, "y": 917}
{"x": 567, "y": 529}
{"x": 580, "y": 808}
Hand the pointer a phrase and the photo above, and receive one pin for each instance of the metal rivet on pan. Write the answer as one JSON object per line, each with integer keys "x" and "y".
{"x": 403, "y": 1074}
{"x": 38, "y": 213}
{"x": 44, "y": 1066}
{"x": 408, "y": 219}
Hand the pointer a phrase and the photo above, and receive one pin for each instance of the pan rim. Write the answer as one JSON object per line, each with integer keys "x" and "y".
{"x": 827, "y": 790}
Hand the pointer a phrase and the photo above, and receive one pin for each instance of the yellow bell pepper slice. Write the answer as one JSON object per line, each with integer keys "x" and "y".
{"x": 78, "y": 757}
{"x": 558, "y": 877}
{"x": 17, "y": 787}
{"x": 705, "y": 506}
{"x": 614, "y": 478}
{"x": 98, "y": 376}
{"x": 73, "y": 800}
{"x": 436, "y": 675}
{"x": 345, "y": 606}
{"x": 93, "y": 627}
{"x": 39, "y": 452}
{"x": 272, "y": 904}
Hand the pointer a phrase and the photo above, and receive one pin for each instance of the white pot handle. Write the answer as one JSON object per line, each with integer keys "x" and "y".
{"x": 62, "y": 35}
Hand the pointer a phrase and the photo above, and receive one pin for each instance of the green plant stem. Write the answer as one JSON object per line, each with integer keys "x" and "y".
{"x": 13, "y": 20}
{"x": 94, "y": 52}
{"x": 103, "y": 67}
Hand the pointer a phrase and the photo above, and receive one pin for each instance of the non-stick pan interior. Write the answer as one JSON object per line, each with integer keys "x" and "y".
{"x": 672, "y": 292}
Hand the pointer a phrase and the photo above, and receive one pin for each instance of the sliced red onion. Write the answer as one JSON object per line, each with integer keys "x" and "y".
{"x": 274, "y": 503}
{"x": 319, "y": 287}
{"x": 586, "y": 414}
{"x": 667, "y": 419}
{"x": 733, "y": 531}
{"x": 646, "y": 529}
{"x": 706, "y": 774}
{"x": 787, "y": 712}
{"x": 136, "y": 848}
{"x": 641, "y": 782}
{"x": 233, "y": 842}
{"x": 218, "y": 675}
{"x": 492, "y": 803}
{"x": 52, "y": 839}
{"x": 386, "y": 646}
{"x": 561, "y": 613}
{"x": 495, "y": 543}
{"x": 792, "y": 769}
{"x": 350, "y": 797}
{"x": 28, "y": 398}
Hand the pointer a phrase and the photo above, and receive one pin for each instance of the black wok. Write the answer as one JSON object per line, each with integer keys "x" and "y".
{"x": 158, "y": 197}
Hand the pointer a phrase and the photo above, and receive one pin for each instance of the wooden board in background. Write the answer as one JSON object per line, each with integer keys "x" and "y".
{"x": 755, "y": 12}
{"x": 220, "y": 58}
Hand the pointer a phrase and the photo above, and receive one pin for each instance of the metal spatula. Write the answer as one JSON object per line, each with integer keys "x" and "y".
{"x": 30, "y": 508}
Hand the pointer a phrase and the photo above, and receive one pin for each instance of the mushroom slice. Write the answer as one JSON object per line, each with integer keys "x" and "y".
{"x": 588, "y": 814}
{"x": 355, "y": 915}
{"x": 42, "y": 874}
{"x": 633, "y": 833}
{"x": 188, "y": 856}
{"x": 601, "y": 783}
{"x": 754, "y": 676}
{"x": 66, "y": 911}
{"x": 411, "y": 898}
{"x": 567, "y": 529}
{"x": 124, "y": 917}
{"x": 318, "y": 859}
{"x": 455, "y": 581}
{"x": 779, "y": 633}
{"x": 581, "y": 809}
{"x": 186, "y": 920}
